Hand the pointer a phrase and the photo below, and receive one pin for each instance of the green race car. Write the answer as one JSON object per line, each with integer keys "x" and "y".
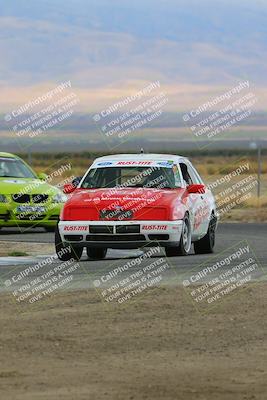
{"x": 26, "y": 199}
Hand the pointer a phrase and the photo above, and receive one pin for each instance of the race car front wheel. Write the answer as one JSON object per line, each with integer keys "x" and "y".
{"x": 66, "y": 252}
{"x": 96, "y": 253}
{"x": 206, "y": 244}
{"x": 185, "y": 241}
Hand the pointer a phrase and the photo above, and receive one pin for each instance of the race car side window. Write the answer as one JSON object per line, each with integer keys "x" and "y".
{"x": 186, "y": 174}
{"x": 194, "y": 175}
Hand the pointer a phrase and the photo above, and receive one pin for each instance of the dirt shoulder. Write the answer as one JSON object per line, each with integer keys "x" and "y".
{"x": 246, "y": 215}
{"x": 23, "y": 248}
{"x": 159, "y": 347}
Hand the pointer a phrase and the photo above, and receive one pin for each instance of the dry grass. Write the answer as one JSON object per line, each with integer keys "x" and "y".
{"x": 210, "y": 168}
{"x": 12, "y": 249}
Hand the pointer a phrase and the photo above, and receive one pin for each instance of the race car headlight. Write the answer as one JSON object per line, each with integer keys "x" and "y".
{"x": 3, "y": 198}
{"x": 59, "y": 198}
{"x": 177, "y": 213}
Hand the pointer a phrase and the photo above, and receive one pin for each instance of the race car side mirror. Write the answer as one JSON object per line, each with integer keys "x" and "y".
{"x": 75, "y": 182}
{"x": 68, "y": 188}
{"x": 42, "y": 176}
{"x": 196, "y": 189}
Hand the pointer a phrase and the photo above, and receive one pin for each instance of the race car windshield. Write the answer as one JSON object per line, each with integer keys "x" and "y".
{"x": 137, "y": 177}
{"x": 12, "y": 168}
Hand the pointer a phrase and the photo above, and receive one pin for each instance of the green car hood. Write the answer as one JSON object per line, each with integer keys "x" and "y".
{"x": 26, "y": 186}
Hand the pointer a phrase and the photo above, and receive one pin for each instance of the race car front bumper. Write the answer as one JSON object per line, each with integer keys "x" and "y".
{"x": 121, "y": 234}
{"x": 44, "y": 215}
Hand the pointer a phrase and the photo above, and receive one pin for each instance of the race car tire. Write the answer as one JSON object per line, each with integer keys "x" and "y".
{"x": 207, "y": 243}
{"x": 185, "y": 242}
{"x": 66, "y": 252}
{"x": 96, "y": 253}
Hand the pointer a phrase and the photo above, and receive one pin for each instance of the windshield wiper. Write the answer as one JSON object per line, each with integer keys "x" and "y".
{"x": 83, "y": 187}
{"x": 132, "y": 186}
{"x": 155, "y": 187}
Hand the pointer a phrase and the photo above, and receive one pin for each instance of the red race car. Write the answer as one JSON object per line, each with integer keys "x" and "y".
{"x": 128, "y": 201}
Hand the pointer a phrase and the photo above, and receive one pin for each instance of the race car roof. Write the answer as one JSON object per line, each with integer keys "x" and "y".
{"x": 7, "y": 155}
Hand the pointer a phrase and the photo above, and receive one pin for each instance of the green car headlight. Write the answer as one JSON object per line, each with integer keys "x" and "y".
{"x": 59, "y": 198}
{"x": 3, "y": 198}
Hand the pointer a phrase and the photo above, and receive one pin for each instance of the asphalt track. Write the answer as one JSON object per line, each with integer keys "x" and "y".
{"x": 230, "y": 237}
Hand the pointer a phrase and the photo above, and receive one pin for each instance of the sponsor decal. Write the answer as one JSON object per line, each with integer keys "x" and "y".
{"x": 154, "y": 227}
{"x": 76, "y": 228}
{"x": 104, "y": 163}
{"x": 116, "y": 207}
{"x": 134, "y": 162}
{"x": 166, "y": 164}
{"x": 201, "y": 215}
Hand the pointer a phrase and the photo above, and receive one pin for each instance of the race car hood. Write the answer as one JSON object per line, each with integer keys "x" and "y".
{"x": 9, "y": 186}
{"x": 86, "y": 204}
{"x": 107, "y": 197}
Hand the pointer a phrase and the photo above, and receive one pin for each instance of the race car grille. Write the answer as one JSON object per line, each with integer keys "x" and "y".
{"x": 115, "y": 238}
{"x": 21, "y": 198}
{"x": 116, "y": 214}
{"x": 101, "y": 229}
{"x": 128, "y": 229}
{"x": 26, "y": 198}
{"x": 30, "y": 217}
{"x": 39, "y": 198}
